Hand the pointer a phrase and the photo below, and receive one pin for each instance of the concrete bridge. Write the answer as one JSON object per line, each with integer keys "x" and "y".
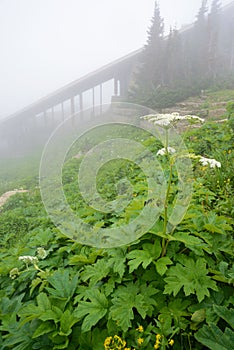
{"x": 109, "y": 83}
{"x": 74, "y": 96}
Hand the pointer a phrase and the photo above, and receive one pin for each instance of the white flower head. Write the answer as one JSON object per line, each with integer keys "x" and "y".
{"x": 168, "y": 119}
{"x": 28, "y": 259}
{"x": 194, "y": 118}
{"x": 163, "y": 151}
{"x": 210, "y": 161}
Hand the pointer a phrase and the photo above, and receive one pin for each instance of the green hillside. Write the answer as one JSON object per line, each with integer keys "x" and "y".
{"x": 169, "y": 288}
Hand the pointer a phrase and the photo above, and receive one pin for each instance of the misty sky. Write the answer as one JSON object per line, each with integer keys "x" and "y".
{"x": 46, "y": 44}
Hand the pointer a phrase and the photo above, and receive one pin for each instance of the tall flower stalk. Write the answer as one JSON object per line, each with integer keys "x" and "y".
{"x": 166, "y": 122}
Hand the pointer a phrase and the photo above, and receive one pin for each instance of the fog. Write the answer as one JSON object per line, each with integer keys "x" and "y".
{"x": 48, "y": 43}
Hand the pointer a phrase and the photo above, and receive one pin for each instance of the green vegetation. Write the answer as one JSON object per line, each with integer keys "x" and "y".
{"x": 166, "y": 290}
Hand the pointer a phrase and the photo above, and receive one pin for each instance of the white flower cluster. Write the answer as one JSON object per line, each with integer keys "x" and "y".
{"x": 28, "y": 259}
{"x": 211, "y": 162}
{"x": 168, "y": 119}
{"x": 164, "y": 151}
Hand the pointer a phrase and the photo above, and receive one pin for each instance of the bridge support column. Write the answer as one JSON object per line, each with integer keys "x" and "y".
{"x": 45, "y": 117}
{"x": 72, "y": 102}
{"x": 72, "y": 106}
{"x": 123, "y": 86}
{"x": 62, "y": 110}
{"x": 93, "y": 95}
{"x": 100, "y": 98}
{"x": 52, "y": 114}
{"x": 81, "y": 104}
{"x": 116, "y": 87}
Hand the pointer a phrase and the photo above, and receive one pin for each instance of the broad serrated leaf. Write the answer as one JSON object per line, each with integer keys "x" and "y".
{"x": 44, "y": 328}
{"x": 95, "y": 272}
{"x": 67, "y": 322}
{"x": 125, "y": 298}
{"x": 187, "y": 239}
{"x": 93, "y": 310}
{"x": 63, "y": 286}
{"x": 192, "y": 277}
{"x": 117, "y": 260}
{"x": 145, "y": 256}
{"x": 161, "y": 265}
{"x": 212, "y": 337}
{"x": 84, "y": 257}
{"x": 31, "y": 311}
{"x": 54, "y": 314}
{"x": 225, "y": 313}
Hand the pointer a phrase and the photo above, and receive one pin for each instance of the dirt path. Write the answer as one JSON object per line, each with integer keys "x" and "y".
{"x": 6, "y": 195}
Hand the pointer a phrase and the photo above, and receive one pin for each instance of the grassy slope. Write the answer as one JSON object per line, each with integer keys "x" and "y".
{"x": 24, "y": 171}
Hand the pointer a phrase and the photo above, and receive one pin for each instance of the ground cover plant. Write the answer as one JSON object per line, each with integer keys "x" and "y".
{"x": 166, "y": 290}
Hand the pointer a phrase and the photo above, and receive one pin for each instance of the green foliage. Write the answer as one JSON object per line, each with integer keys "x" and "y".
{"x": 178, "y": 285}
{"x": 128, "y": 297}
{"x": 212, "y": 337}
{"x": 94, "y": 309}
{"x": 192, "y": 277}
{"x": 230, "y": 111}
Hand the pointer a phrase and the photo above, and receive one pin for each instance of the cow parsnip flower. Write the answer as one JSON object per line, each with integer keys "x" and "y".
{"x": 164, "y": 151}
{"x": 166, "y": 120}
{"x": 28, "y": 259}
{"x": 210, "y": 161}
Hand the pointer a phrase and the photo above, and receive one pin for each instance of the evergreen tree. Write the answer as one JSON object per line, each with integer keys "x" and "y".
{"x": 200, "y": 43}
{"x": 173, "y": 59}
{"x": 213, "y": 44}
{"x": 150, "y": 71}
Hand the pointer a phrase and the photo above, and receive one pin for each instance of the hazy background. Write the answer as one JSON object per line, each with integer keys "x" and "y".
{"x": 46, "y": 44}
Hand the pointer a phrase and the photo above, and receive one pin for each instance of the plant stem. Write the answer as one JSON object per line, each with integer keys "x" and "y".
{"x": 164, "y": 241}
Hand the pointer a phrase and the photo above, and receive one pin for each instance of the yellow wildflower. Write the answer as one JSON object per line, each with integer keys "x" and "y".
{"x": 140, "y": 329}
{"x": 140, "y": 341}
{"x": 171, "y": 342}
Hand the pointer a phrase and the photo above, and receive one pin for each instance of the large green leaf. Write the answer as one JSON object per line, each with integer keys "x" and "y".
{"x": 63, "y": 285}
{"x": 96, "y": 272}
{"x": 130, "y": 296}
{"x": 44, "y": 328}
{"x": 117, "y": 259}
{"x": 144, "y": 256}
{"x": 192, "y": 277}
{"x": 67, "y": 321}
{"x": 32, "y": 311}
{"x": 161, "y": 264}
{"x": 93, "y": 310}
{"x": 212, "y": 337}
{"x": 225, "y": 313}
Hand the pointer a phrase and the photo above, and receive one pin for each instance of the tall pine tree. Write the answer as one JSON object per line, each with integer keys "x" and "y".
{"x": 213, "y": 43}
{"x": 200, "y": 43}
{"x": 150, "y": 71}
